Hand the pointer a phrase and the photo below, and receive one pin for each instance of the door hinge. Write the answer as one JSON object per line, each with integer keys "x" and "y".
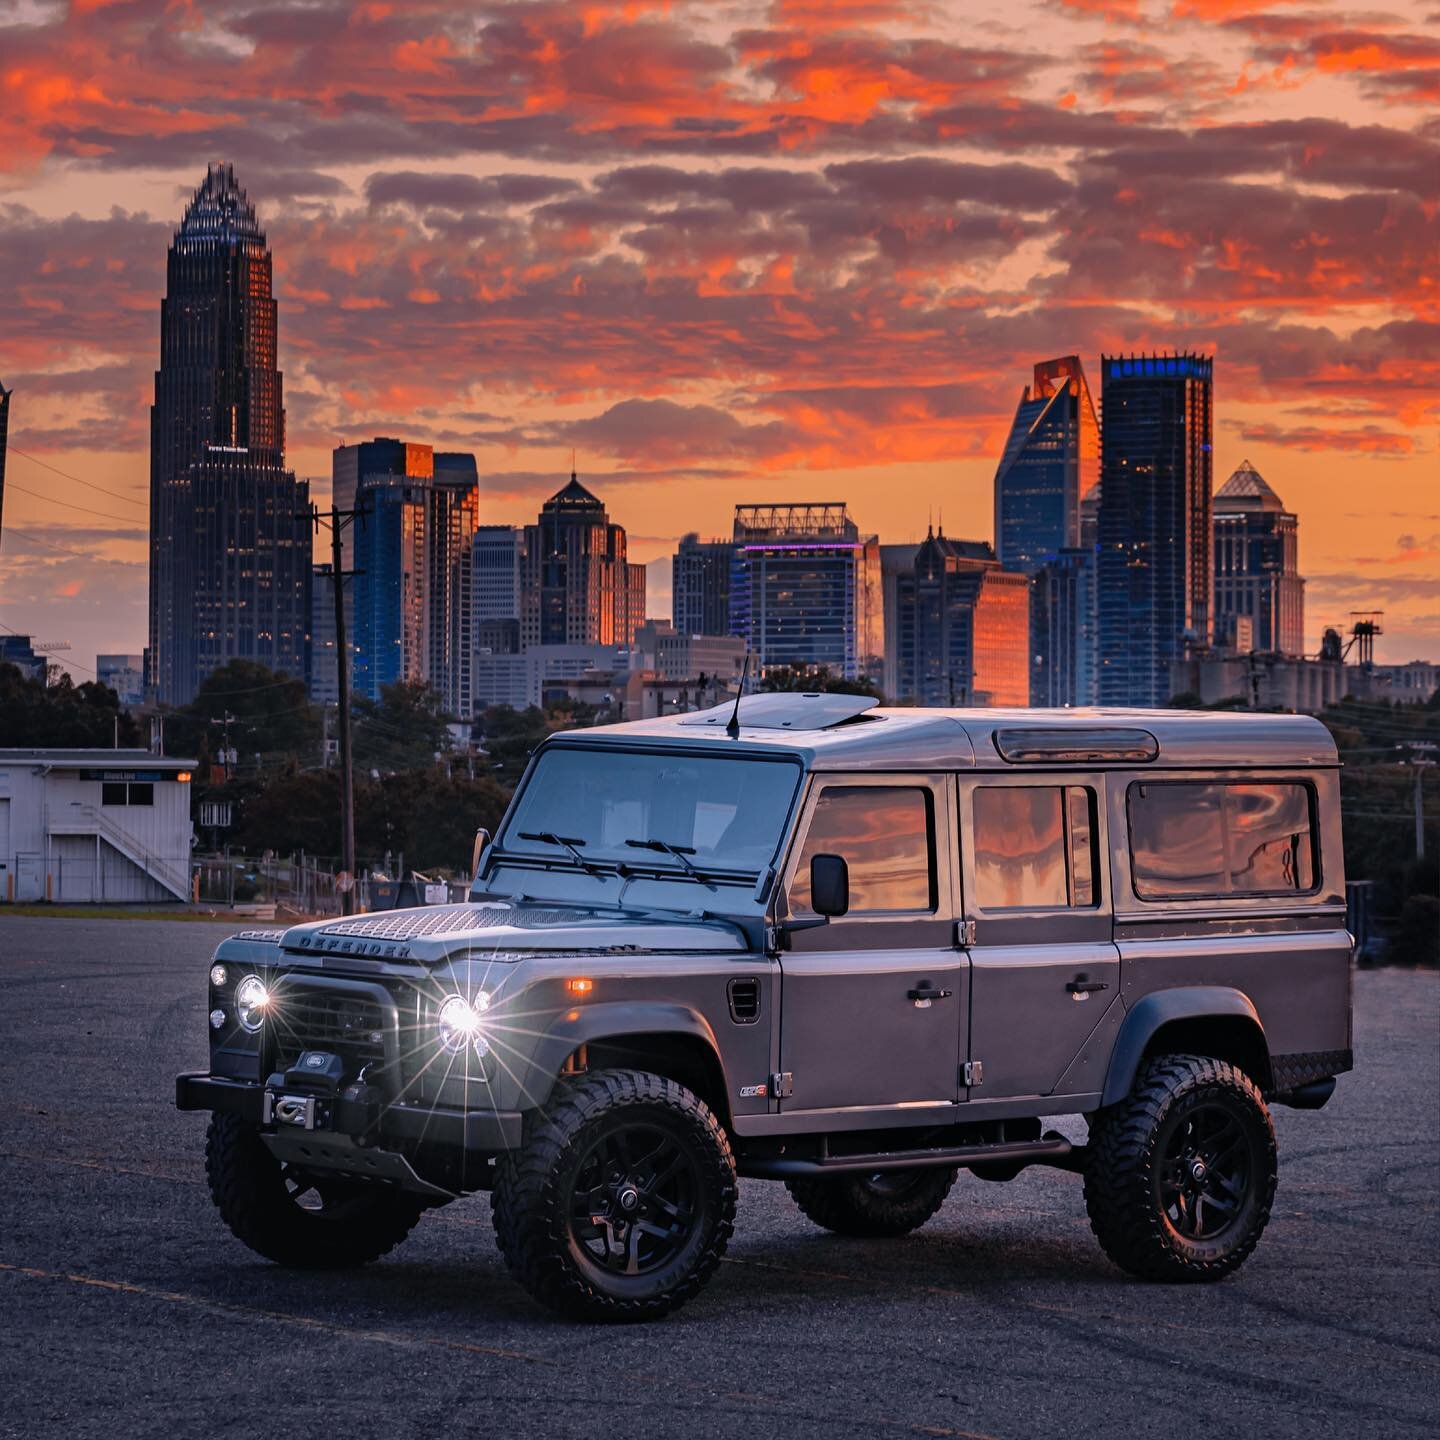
{"x": 782, "y": 1085}
{"x": 974, "y": 1072}
{"x": 965, "y": 932}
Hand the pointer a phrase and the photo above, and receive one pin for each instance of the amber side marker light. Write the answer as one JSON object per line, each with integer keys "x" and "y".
{"x": 183, "y": 777}
{"x": 579, "y": 986}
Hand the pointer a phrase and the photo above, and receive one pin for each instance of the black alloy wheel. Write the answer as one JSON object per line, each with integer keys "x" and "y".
{"x": 878, "y": 1205}
{"x": 305, "y": 1219}
{"x": 1180, "y": 1175}
{"x": 621, "y": 1200}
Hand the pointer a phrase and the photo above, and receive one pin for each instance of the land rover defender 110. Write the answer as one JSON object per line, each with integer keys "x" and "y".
{"x": 853, "y": 949}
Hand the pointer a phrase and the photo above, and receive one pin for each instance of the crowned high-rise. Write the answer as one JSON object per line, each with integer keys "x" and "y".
{"x": 229, "y": 525}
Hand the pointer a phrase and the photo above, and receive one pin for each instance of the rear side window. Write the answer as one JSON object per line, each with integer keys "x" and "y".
{"x": 1034, "y": 847}
{"x": 886, "y": 835}
{"x": 1190, "y": 839}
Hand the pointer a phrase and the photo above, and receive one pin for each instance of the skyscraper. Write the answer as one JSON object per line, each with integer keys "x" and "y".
{"x": 806, "y": 589}
{"x": 390, "y": 481}
{"x": 1257, "y": 575}
{"x": 1050, "y": 465}
{"x": 1063, "y": 651}
{"x": 577, "y": 586}
{"x": 230, "y": 532}
{"x": 700, "y": 586}
{"x": 1155, "y": 572}
{"x": 454, "y": 514}
{"x": 962, "y": 627}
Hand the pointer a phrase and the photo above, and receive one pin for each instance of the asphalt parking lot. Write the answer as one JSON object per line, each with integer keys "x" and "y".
{"x": 126, "y": 1309}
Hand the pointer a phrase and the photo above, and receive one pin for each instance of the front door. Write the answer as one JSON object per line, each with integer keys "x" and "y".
{"x": 873, "y": 1002}
{"x": 1045, "y": 972}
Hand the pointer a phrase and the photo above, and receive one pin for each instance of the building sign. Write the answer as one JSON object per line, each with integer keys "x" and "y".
{"x": 113, "y": 776}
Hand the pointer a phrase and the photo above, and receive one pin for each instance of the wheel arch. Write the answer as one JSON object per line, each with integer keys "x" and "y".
{"x": 1213, "y": 1020}
{"x": 670, "y": 1040}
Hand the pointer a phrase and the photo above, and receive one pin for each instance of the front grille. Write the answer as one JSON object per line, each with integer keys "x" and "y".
{"x": 346, "y": 1024}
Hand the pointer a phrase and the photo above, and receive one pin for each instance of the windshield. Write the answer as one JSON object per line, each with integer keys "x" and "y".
{"x": 647, "y": 811}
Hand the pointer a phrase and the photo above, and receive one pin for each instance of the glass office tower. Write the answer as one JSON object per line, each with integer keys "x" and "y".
{"x": 1257, "y": 570}
{"x": 1155, "y": 575}
{"x": 230, "y": 527}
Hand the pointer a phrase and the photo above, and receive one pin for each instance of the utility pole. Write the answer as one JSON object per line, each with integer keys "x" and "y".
{"x": 337, "y": 521}
{"x": 1420, "y": 762}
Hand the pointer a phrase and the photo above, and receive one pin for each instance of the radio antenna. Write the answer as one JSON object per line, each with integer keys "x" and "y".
{"x": 732, "y": 726}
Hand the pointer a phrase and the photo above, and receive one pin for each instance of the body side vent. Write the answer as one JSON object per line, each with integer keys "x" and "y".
{"x": 744, "y": 996}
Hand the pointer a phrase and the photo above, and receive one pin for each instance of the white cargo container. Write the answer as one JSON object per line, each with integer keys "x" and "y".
{"x": 94, "y": 826}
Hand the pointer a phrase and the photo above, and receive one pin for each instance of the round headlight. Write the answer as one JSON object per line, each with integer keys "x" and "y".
{"x": 251, "y": 999}
{"x": 460, "y": 1023}
{"x": 218, "y": 975}
{"x": 217, "y": 1019}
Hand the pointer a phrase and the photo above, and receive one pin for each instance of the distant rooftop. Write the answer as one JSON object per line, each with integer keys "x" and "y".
{"x": 1247, "y": 489}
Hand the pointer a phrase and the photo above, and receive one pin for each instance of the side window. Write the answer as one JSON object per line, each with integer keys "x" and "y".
{"x": 887, "y": 837}
{"x": 1190, "y": 839}
{"x": 1034, "y": 847}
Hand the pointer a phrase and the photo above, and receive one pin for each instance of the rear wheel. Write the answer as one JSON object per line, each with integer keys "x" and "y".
{"x": 621, "y": 1201}
{"x": 873, "y": 1206}
{"x": 304, "y": 1219}
{"x": 1181, "y": 1175}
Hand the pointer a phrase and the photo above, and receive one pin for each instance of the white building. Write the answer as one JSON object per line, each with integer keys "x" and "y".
{"x": 521, "y": 680}
{"x": 91, "y": 826}
{"x": 125, "y": 675}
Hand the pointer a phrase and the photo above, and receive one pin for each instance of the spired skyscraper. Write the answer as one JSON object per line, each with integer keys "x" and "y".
{"x": 1155, "y": 475}
{"x": 1257, "y": 573}
{"x": 230, "y": 530}
{"x": 1050, "y": 464}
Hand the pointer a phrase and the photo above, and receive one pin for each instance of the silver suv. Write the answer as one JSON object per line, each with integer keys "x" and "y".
{"x": 853, "y": 949}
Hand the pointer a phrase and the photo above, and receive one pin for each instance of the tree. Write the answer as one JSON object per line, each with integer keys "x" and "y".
{"x": 61, "y": 714}
{"x": 272, "y": 716}
{"x": 404, "y": 730}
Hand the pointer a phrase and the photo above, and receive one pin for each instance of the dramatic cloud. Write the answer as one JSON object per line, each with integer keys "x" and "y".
{"x": 809, "y": 247}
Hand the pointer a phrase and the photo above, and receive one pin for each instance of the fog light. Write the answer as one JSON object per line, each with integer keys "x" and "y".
{"x": 460, "y": 1023}
{"x": 218, "y": 976}
{"x": 217, "y": 1019}
{"x": 251, "y": 1000}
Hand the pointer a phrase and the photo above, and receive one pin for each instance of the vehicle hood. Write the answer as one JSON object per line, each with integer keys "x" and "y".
{"x": 504, "y": 929}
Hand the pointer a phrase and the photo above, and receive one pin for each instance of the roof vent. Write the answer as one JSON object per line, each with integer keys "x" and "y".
{"x": 1054, "y": 745}
{"x": 787, "y": 710}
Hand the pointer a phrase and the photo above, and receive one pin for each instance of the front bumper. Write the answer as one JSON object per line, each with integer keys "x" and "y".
{"x": 476, "y": 1132}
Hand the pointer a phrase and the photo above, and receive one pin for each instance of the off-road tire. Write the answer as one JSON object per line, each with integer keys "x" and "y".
{"x": 249, "y": 1187}
{"x": 873, "y": 1207}
{"x": 1125, "y": 1170}
{"x": 535, "y": 1190}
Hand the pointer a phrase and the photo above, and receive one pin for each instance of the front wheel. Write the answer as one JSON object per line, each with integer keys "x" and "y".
{"x": 878, "y": 1206}
{"x": 304, "y": 1219}
{"x": 620, "y": 1202}
{"x": 1181, "y": 1174}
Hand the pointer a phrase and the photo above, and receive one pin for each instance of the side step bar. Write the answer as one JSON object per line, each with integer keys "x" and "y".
{"x": 1051, "y": 1149}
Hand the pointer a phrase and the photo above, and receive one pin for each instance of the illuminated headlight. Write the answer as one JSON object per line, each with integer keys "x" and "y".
{"x": 217, "y": 1019}
{"x": 460, "y": 1023}
{"x": 251, "y": 999}
{"x": 218, "y": 976}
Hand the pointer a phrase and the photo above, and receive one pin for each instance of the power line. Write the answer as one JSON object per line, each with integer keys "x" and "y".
{"x": 65, "y": 474}
{"x": 84, "y": 509}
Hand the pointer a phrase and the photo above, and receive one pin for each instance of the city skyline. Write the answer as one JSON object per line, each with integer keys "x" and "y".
{"x": 794, "y": 254}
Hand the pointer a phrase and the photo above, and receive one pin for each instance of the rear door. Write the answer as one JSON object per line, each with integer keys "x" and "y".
{"x": 873, "y": 1002}
{"x": 1045, "y": 972}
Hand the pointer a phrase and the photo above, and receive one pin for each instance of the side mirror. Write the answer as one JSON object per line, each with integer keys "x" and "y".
{"x": 482, "y": 841}
{"x": 829, "y": 885}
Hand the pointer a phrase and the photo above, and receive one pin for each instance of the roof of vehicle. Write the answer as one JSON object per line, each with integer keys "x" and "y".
{"x": 859, "y": 735}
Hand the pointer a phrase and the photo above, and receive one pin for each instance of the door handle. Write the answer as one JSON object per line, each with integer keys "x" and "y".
{"x": 1080, "y": 987}
{"x": 924, "y": 992}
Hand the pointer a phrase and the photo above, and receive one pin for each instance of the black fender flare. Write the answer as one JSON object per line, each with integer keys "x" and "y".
{"x": 612, "y": 1020}
{"x": 1162, "y": 1007}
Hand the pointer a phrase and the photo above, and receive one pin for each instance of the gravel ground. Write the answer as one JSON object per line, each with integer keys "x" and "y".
{"x": 126, "y": 1309}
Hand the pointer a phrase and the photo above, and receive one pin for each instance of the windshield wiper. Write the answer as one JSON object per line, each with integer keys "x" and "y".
{"x": 563, "y": 842}
{"x": 681, "y": 852}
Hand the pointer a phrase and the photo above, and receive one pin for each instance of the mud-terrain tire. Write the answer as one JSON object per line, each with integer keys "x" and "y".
{"x": 1180, "y": 1175}
{"x": 879, "y": 1206}
{"x": 342, "y": 1224}
{"x": 620, "y": 1202}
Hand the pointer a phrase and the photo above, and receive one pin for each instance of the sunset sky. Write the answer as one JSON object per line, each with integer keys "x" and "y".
{"x": 734, "y": 251}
